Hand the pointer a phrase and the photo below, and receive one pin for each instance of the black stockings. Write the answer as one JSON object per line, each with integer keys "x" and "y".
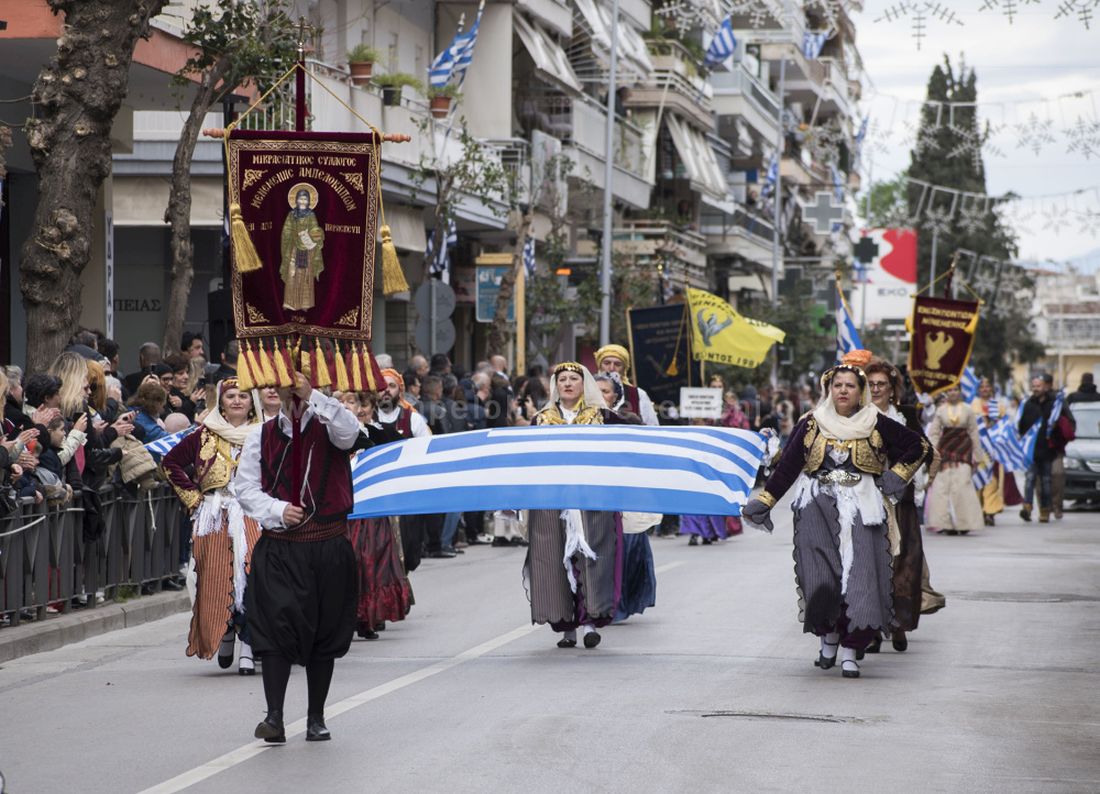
{"x": 276, "y": 672}
{"x": 318, "y": 677}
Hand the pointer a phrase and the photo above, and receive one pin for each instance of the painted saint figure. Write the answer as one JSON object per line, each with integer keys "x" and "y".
{"x": 302, "y": 243}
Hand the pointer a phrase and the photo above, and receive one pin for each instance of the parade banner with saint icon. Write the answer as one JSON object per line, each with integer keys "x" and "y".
{"x": 942, "y": 336}
{"x": 303, "y": 210}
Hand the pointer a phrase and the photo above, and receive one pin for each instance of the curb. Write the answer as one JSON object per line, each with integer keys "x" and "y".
{"x": 56, "y": 632}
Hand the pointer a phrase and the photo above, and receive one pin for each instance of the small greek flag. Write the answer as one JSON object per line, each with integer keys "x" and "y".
{"x": 721, "y": 46}
{"x": 847, "y": 336}
{"x": 529, "y": 256}
{"x": 771, "y": 176}
{"x": 813, "y": 42}
{"x": 982, "y": 476}
{"x": 451, "y": 64}
{"x": 838, "y": 183}
{"x": 994, "y": 408}
{"x": 438, "y": 256}
{"x": 668, "y": 469}
{"x": 159, "y": 448}
{"x": 969, "y": 384}
{"x": 1056, "y": 411}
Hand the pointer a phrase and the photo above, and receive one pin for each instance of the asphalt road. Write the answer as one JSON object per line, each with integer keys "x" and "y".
{"x": 712, "y": 690}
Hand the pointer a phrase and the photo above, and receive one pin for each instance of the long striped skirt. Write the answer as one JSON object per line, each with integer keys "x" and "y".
{"x": 599, "y": 581}
{"x": 212, "y": 613}
{"x": 383, "y": 586}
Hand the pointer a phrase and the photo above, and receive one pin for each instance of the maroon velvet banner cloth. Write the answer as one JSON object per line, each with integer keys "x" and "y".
{"x": 310, "y": 203}
{"x": 942, "y": 337}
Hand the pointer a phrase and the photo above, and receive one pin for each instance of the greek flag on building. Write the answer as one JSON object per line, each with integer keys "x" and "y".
{"x": 813, "y": 42}
{"x": 847, "y": 336}
{"x": 438, "y": 256}
{"x": 674, "y": 470}
{"x": 452, "y": 63}
{"x": 722, "y": 45}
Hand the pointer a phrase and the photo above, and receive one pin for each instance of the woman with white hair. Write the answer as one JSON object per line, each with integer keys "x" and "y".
{"x": 574, "y": 557}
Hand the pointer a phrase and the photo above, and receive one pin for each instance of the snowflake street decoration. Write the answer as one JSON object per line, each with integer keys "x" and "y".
{"x": 1082, "y": 8}
{"x": 1033, "y": 134}
{"x": 1009, "y": 7}
{"x": 985, "y": 282}
{"x": 685, "y": 15}
{"x": 972, "y": 219}
{"x": 1055, "y": 219}
{"x": 969, "y": 143}
{"x": 758, "y": 11}
{"x": 1084, "y": 137}
{"x": 1089, "y": 222}
{"x": 920, "y": 11}
{"x": 925, "y": 140}
{"x": 1019, "y": 220}
{"x": 937, "y": 220}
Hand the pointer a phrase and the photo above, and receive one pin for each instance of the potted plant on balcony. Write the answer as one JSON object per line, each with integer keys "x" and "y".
{"x": 361, "y": 61}
{"x": 440, "y": 99}
{"x": 392, "y": 84}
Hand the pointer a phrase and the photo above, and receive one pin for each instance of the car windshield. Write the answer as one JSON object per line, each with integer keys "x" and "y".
{"x": 1088, "y": 420}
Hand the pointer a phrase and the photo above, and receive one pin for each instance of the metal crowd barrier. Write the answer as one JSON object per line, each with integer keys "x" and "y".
{"x": 45, "y": 560}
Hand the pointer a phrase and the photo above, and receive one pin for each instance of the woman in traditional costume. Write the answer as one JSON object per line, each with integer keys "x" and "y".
{"x": 639, "y": 585}
{"x": 574, "y": 557}
{"x": 986, "y": 408}
{"x": 837, "y": 459}
{"x": 885, "y": 384}
{"x": 953, "y": 505}
{"x": 201, "y": 469}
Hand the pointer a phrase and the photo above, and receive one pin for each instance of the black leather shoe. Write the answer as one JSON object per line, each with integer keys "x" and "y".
{"x": 316, "y": 731}
{"x": 271, "y": 729}
{"x": 566, "y": 642}
{"x": 900, "y": 641}
{"x": 440, "y": 555}
{"x": 592, "y": 639}
{"x": 874, "y": 646}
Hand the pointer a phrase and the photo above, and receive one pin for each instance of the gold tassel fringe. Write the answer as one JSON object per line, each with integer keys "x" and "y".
{"x": 323, "y": 378}
{"x": 268, "y": 368}
{"x": 244, "y": 372}
{"x": 356, "y": 371}
{"x": 245, "y": 256}
{"x": 342, "y": 382}
{"x": 393, "y": 278}
{"x": 254, "y": 366}
{"x": 282, "y": 374}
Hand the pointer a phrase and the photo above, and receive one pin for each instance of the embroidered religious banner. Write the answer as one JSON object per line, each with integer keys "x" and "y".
{"x": 942, "y": 336}
{"x": 303, "y": 211}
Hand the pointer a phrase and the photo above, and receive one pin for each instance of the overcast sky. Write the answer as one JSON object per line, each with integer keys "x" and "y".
{"x": 1038, "y": 60}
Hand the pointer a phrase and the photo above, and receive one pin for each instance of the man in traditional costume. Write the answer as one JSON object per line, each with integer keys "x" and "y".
{"x": 574, "y": 558}
{"x": 201, "y": 469}
{"x": 953, "y": 503}
{"x": 301, "y": 595}
{"x": 844, "y": 460}
{"x": 987, "y": 409}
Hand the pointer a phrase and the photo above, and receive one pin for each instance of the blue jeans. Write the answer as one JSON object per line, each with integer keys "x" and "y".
{"x": 450, "y": 527}
{"x": 1042, "y": 470}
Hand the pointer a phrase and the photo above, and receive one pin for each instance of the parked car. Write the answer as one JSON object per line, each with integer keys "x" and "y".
{"x": 1082, "y": 461}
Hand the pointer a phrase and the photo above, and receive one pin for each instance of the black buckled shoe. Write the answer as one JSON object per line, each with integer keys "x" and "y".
{"x": 271, "y": 729}
{"x": 316, "y": 730}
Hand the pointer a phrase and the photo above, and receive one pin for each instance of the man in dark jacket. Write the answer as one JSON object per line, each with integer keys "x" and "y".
{"x": 1048, "y": 446}
{"x": 1086, "y": 392}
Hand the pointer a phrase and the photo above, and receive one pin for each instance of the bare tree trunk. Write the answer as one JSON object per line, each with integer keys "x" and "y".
{"x": 178, "y": 213}
{"x": 78, "y": 95}
{"x": 500, "y": 330}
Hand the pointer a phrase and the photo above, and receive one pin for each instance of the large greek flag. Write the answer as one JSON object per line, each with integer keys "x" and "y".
{"x": 847, "y": 336}
{"x": 452, "y": 63}
{"x": 721, "y": 46}
{"x": 675, "y": 470}
{"x": 1002, "y": 443}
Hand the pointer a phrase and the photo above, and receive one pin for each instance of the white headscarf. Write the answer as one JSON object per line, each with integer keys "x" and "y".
{"x": 216, "y": 423}
{"x": 592, "y": 396}
{"x": 845, "y": 428}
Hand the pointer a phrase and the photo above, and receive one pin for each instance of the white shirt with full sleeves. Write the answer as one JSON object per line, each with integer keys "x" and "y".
{"x": 343, "y": 430}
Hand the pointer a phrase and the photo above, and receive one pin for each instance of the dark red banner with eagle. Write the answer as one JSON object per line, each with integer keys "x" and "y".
{"x": 303, "y": 210}
{"x": 942, "y": 337}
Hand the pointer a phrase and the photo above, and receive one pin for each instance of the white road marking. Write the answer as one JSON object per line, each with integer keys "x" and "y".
{"x": 668, "y": 566}
{"x": 241, "y": 754}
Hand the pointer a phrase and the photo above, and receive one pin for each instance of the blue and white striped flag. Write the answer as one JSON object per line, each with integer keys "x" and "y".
{"x": 675, "y": 470}
{"x": 529, "y": 257}
{"x": 969, "y": 384}
{"x": 438, "y": 256}
{"x": 159, "y": 448}
{"x": 1003, "y": 444}
{"x": 721, "y": 46}
{"x": 451, "y": 64}
{"x": 813, "y": 42}
{"x": 771, "y": 176}
{"x": 847, "y": 336}
{"x": 1056, "y": 411}
{"x": 982, "y": 476}
{"x": 838, "y": 183}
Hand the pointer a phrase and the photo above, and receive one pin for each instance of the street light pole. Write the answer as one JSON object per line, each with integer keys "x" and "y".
{"x": 608, "y": 176}
{"x": 777, "y": 202}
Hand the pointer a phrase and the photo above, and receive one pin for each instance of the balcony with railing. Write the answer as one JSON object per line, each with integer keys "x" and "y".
{"x": 581, "y": 124}
{"x": 679, "y": 251}
{"x": 743, "y": 234}
{"x": 738, "y": 93}
{"x": 675, "y": 83}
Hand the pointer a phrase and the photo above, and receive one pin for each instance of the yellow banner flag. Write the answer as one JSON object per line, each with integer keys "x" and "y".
{"x": 721, "y": 335}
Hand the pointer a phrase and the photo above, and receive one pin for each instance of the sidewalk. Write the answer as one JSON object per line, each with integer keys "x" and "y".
{"x": 56, "y": 631}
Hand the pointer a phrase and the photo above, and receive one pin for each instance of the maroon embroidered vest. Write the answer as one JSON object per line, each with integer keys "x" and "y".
{"x": 326, "y": 468}
{"x": 631, "y": 401}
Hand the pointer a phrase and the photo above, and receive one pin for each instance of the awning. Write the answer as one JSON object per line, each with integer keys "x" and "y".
{"x": 407, "y": 227}
{"x": 551, "y": 62}
{"x": 632, "y": 48}
{"x": 142, "y": 200}
{"x": 701, "y": 165}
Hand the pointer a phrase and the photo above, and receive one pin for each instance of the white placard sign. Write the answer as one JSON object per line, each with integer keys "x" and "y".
{"x": 700, "y": 403}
